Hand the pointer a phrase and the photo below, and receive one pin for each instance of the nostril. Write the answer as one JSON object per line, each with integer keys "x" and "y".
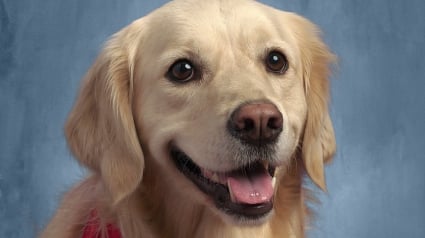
{"x": 244, "y": 124}
{"x": 274, "y": 123}
{"x": 249, "y": 124}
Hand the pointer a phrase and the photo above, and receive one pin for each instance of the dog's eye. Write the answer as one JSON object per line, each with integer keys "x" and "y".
{"x": 276, "y": 62}
{"x": 181, "y": 71}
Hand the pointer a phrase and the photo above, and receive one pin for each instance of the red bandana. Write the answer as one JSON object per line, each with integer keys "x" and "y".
{"x": 92, "y": 229}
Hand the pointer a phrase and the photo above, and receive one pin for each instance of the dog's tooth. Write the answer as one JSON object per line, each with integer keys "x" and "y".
{"x": 214, "y": 177}
{"x": 273, "y": 182}
{"x": 232, "y": 198}
{"x": 266, "y": 165}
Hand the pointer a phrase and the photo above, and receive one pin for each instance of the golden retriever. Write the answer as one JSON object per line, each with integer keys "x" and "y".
{"x": 200, "y": 120}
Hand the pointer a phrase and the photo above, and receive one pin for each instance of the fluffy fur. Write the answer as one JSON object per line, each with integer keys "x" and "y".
{"x": 128, "y": 112}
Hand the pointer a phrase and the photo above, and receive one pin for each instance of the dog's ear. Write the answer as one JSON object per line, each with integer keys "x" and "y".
{"x": 100, "y": 129}
{"x": 318, "y": 145}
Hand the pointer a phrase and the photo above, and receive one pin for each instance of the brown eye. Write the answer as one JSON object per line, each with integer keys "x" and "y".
{"x": 181, "y": 71}
{"x": 276, "y": 62}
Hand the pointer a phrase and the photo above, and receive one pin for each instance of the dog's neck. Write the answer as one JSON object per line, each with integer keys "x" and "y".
{"x": 170, "y": 212}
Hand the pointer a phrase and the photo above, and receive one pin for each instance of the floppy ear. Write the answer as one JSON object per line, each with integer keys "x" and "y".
{"x": 318, "y": 145}
{"x": 100, "y": 129}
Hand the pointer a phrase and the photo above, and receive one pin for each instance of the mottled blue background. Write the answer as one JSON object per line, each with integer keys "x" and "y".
{"x": 376, "y": 183}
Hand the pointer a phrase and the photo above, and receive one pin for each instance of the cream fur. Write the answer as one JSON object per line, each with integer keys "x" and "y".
{"x": 127, "y": 114}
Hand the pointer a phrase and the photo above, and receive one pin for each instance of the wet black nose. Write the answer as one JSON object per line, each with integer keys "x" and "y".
{"x": 256, "y": 123}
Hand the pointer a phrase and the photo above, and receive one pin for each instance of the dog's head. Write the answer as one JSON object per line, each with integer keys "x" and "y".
{"x": 220, "y": 95}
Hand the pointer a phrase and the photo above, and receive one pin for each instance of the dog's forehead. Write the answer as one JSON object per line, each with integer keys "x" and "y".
{"x": 241, "y": 19}
{"x": 211, "y": 30}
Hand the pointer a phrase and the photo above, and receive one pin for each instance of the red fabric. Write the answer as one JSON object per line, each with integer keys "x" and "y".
{"x": 92, "y": 229}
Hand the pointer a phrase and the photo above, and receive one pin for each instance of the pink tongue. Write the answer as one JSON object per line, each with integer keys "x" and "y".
{"x": 251, "y": 188}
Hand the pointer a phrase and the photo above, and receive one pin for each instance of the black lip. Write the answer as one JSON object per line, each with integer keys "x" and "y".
{"x": 219, "y": 192}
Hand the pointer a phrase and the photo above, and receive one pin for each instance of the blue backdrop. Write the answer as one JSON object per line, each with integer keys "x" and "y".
{"x": 376, "y": 182}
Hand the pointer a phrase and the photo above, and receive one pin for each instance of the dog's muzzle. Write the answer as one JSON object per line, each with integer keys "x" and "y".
{"x": 247, "y": 191}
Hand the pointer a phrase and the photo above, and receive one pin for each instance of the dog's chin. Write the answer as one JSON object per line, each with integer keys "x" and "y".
{"x": 243, "y": 196}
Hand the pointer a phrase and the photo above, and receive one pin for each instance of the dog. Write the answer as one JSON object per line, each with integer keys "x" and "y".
{"x": 201, "y": 119}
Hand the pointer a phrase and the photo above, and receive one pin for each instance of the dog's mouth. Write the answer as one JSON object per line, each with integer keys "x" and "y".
{"x": 246, "y": 192}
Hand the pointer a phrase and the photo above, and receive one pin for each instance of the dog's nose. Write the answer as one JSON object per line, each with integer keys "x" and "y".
{"x": 256, "y": 123}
